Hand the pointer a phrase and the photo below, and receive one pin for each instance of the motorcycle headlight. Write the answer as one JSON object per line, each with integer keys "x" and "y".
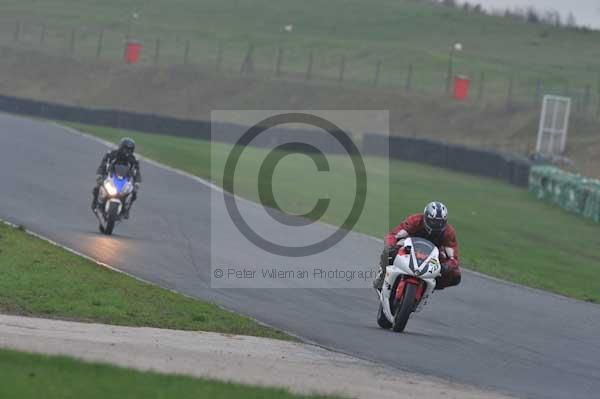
{"x": 110, "y": 187}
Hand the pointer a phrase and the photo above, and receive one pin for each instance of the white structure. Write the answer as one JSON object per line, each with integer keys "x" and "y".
{"x": 554, "y": 124}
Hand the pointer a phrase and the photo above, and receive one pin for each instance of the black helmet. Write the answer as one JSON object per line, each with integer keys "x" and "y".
{"x": 126, "y": 146}
{"x": 435, "y": 217}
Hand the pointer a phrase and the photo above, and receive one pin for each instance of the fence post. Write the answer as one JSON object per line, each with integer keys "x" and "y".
{"x": 279, "y": 61}
{"x": 186, "y": 52}
{"x": 17, "y": 31}
{"x": 342, "y": 69}
{"x": 450, "y": 71}
{"x": 408, "y": 86}
{"x": 309, "y": 66}
{"x": 248, "y": 63}
{"x": 377, "y": 72}
{"x": 219, "y": 59}
{"x": 100, "y": 43}
{"x": 157, "y": 51}
{"x": 587, "y": 97}
{"x": 509, "y": 97}
{"x": 481, "y": 86}
{"x": 72, "y": 41}
{"x": 576, "y": 101}
{"x": 43, "y": 34}
{"x": 598, "y": 97}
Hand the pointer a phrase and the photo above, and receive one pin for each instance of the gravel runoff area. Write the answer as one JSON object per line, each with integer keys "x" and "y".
{"x": 259, "y": 361}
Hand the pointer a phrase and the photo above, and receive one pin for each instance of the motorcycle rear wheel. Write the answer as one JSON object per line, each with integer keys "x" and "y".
{"x": 404, "y": 308}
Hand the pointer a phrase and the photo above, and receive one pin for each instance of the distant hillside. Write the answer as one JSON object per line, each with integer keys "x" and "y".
{"x": 370, "y": 42}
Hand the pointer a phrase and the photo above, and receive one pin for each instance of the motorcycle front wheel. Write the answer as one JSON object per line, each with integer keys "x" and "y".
{"x": 404, "y": 308}
{"x": 111, "y": 218}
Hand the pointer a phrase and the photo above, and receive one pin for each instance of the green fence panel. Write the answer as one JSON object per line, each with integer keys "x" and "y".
{"x": 592, "y": 203}
{"x": 572, "y": 192}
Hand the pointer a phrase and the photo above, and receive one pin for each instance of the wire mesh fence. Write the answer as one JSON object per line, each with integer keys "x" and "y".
{"x": 248, "y": 57}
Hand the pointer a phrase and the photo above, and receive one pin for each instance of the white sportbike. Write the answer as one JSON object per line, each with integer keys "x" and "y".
{"x": 408, "y": 283}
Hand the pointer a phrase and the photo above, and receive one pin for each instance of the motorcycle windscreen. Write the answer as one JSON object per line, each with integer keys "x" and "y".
{"x": 422, "y": 249}
{"x": 121, "y": 171}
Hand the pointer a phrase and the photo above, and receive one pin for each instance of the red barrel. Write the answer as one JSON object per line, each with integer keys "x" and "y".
{"x": 132, "y": 52}
{"x": 461, "y": 87}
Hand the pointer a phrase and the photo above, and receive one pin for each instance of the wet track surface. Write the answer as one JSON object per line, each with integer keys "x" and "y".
{"x": 486, "y": 333}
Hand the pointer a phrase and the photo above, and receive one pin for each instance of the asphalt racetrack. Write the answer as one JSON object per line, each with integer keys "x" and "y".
{"x": 486, "y": 333}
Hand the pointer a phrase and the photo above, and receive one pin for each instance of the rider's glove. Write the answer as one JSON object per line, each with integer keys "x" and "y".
{"x": 136, "y": 186}
{"x": 392, "y": 251}
{"x": 99, "y": 179}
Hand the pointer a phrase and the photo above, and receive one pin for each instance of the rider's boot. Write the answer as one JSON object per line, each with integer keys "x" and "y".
{"x": 378, "y": 282}
{"x": 94, "y": 199}
{"x": 128, "y": 206}
{"x": 387, "y": 258}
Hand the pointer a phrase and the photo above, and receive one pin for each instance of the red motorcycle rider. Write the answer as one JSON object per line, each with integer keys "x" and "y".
{"x": 432, "y": 225}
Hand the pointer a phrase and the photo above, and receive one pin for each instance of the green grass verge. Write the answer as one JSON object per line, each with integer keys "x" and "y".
{"x": 504, "y": 231}
{"x": 397, "y": 32}
{"x": 40, "y": 279}
{"x": 28, "y": 376}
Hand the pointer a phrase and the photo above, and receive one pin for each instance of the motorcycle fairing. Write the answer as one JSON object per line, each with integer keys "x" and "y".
{"x": 119, "y": 183}
{"x": 406, "y": 263}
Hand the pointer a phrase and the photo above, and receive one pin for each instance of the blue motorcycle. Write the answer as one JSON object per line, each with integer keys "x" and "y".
{"x": 114, "y": 197}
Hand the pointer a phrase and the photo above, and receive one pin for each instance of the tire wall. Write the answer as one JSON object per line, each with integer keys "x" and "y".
{"x": 512, "y": 169}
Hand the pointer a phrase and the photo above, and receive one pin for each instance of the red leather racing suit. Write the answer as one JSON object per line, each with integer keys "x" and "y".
{"x": 446, "y": 242}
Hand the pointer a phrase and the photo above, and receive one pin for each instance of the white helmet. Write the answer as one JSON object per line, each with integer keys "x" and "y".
{"x": 435, "y": 217}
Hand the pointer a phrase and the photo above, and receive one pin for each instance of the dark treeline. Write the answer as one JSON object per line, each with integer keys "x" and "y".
{"x": 529, "y": 15}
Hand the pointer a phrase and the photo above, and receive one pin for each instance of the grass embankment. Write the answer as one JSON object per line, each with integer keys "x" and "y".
{"x": 27, "y": 376}
{"x": 396, "y": 32}
{"x": 40, "y": 279}
{"x": 504, "y": 231}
